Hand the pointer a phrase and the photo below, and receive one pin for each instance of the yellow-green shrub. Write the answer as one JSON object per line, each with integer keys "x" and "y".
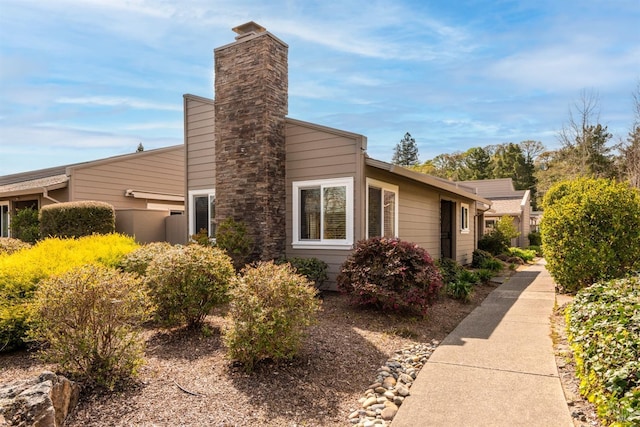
{"x": 21, "y": 272}
{"x": 138, "y": 261}
{"x": 271, "y": 307}
{"x": 186, "y": 282}
{"x": 89, "y": 322}
{"x": 590, "y": 231}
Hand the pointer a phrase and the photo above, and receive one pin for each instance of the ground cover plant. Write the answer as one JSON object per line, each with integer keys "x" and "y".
{"x": 590, "y": 231}
{"x": 526, "y": 255}
{"x": 603, "y": 325}
{"x": 22, "y": 271}
{"x": 10, "y": 245}
{"x": 390, "y": 274}
{"x": 88, "y": 321}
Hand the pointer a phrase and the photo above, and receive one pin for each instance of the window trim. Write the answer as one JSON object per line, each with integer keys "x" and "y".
{"x": 8, "y": 224}
{"x": 211, "y": 192}
{"x": 384, "y": 186}
{"x": 464, "y": 208}
{"x": 339, "y": 244}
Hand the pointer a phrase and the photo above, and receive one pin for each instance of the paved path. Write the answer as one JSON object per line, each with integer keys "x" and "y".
{"x": 497, "y": 368}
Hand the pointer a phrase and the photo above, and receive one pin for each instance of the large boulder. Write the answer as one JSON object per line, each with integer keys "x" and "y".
{"x": 44, "y": 401}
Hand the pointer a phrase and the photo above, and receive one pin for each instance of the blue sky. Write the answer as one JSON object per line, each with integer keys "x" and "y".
{"x": 87, "y": 79}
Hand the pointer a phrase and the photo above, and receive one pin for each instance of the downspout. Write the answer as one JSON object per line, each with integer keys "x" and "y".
{"x": 45, "y": 194}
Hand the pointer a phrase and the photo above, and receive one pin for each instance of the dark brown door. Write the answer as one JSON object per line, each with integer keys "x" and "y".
{"x": 446, "y": 229}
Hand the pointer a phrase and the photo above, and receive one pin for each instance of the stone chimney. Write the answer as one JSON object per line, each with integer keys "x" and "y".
{"x": 251, "y": 91}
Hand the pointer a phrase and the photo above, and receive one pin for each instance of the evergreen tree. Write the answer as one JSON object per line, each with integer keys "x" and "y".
{"x": 406, "y": 152}
{"x": 477, "y": 164}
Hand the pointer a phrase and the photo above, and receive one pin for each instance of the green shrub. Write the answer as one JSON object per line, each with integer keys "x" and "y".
{"x": 535, "y": 239}
{"x": 492, "y": 264}
{"x": 484, "y": 275}
{"x": 603, "y": 324}
{"x": 21, "y": 272}
{"x": 449, "y": 270}
{"x": 525, "y": 255}
{"x": 77, "y": 219}
{"x": 202, "y": 238}
{"x": 9, "y": 245}
{"x": 493, "y": 243}
{"x": 459, "y": 289}
{"x": 138, "y": 260}
{"x": 89, "y": 320}
{"x": 25, "y": 225}
{"x": 271, "y": 308}
{"x": 231, "y": 237}
{"x": 480, "y": 256}
{"x": 186, "y": 282}
{"x": 590, "y": 232}
{"x": 313, "y": 269}
{"x": 390, "y": 274}
{"x": 536, "y": 249}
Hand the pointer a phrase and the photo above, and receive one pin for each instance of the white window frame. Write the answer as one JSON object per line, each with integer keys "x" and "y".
{"x": 340, "y": 244}
{"x": 8, "y": 224}
{"x": 384, "y": 186}
{"x": 464, "y": 218}
{"x": 192, "y": 195}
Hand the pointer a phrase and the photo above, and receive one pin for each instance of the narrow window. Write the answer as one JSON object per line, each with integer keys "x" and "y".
{"x": 464, "y": 217}
{"x": 202, "y": 212}
{"x": 382, "y": 208}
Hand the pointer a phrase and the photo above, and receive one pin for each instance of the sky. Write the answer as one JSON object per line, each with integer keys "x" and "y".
{"x": 87, "y": 79}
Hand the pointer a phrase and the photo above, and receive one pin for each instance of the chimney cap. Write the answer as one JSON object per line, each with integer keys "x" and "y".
{"x": 248, "y": 29}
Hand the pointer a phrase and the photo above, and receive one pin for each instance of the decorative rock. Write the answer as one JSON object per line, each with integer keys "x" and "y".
{"x": 389, "y": 383}
{"x": 403, "y": 390}
{"x": 389, "y": 395}
{"x": 389, "y": 412}
{"x": 407, "y": 379}
{"x": 380, "y": 390}
{"x": 369, "y": 401}
{"x": 43, "y": 401}
{"x": 398, "y": 400}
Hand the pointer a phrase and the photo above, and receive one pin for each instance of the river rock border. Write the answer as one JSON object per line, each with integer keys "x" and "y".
{"x": 393, "y": 381}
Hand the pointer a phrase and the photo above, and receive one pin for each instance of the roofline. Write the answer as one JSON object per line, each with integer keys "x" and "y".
{"x": 36, "y": 190}
{"x": 327, "y": 129}
{"x": 123, "y": 157}
{"x": 199, "y": 98}
{"x": 452, "y": 187}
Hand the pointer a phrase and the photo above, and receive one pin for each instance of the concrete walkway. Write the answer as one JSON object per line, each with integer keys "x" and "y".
{"x": 497, "y": 368}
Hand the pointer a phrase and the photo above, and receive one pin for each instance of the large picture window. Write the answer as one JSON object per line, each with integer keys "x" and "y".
{"x": 202, "y": 212}
{"x": 382, "y": 209}
{"x": 323, "y": 213}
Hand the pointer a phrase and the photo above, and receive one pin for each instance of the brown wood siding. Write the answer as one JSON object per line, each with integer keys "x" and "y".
{"x": 155, "y": 172}
{"x": 200, "y": 143}
{"x": 314, "y": 153}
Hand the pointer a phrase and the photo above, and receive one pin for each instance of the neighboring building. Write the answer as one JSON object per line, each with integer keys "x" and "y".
{"x": 505, "y": 201}
{"x": 302, "y": 189}
{"x": 144, "y": 187}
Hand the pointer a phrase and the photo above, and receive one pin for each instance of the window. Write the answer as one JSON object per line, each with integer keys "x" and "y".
{"x": 202, "y": 211}
{"x": 489, "y": 224}
{"x": 4, "y": 219}
{"x": 382, "y": 209}
{"x": 323, "y": 213}
{"x": 464, "y": 217}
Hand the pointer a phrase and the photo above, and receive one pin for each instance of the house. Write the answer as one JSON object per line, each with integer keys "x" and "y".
{"x": 302, "y": 189}
{"x": 145, "y": 188}
{"x": 505, "y": 201}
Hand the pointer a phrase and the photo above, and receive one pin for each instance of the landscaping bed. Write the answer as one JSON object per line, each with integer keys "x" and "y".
{"x": 187, "y": 379}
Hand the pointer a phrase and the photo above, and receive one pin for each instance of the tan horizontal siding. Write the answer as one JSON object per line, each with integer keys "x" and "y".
{"x": 200, "y": 144}
{"x": 107, "y": 181}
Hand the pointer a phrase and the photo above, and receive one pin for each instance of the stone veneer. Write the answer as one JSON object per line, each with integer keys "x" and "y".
{"x": 251, "y": 89}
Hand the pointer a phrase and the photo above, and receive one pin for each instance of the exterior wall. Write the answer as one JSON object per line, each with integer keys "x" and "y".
{"x": 144, "y": 225}
{"x": 313, "y": 152}
{"x": 418, "y": 211}
{"x": 176, "y": 229}
{"x": 526, "y": 224}
{"x": 251, "y": 84}
{"x": 159, "y": 171}
{"x": 199, "y": 137}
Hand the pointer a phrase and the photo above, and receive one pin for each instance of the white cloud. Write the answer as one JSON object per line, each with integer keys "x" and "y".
{"x": 108, "y": 101}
